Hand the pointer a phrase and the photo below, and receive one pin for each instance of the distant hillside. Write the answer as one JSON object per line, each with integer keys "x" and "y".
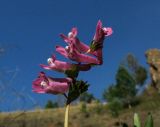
{"x": 96, "y": 115}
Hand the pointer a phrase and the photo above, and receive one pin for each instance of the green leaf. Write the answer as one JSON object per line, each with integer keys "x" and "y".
{"x": 76, "y": 90}
{"x": 149, "y": 121}
{"x": 73, "y": 73}
{"x": 137, "y": 122}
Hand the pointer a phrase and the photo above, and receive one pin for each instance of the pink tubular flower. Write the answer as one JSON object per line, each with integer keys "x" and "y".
{"x": 99, "y": 55}
{"x": 97, "y": 43}
{"x": 72, "y": 53}
{"x": 57, "y": 65}
{"x": 101, "y": 32}
{"x": 72, "y": 39}
{"x": 44, "y": 84}
{"x": 64, "y": 66}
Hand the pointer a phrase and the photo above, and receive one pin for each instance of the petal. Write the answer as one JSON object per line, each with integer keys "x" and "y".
{"x": 58, "y": 66}
{"x": 107, "y": 31}
{"x": 61, "y": 80}
{"x": 100, "y": 56}
{"x": 86, "y": 59}
{"x": 57, "y": 88}
{"x": 63, "y": 65}
{"x": 47, "y": 67}
{"x": 81, "y": 47}
{"x": 98, "y": 30}
{"x": 37, "y": 88}
{"x": 65, "y": 38}
{"x": 42, "y": 74}
{"x": 39, "y": 91}
{"x": 37, "y": 81}
{"x": 62, "y": 51}
{"x": 99, "y": 25}
{"x": 74, "y": 32}
{"x": 53, "y": 57}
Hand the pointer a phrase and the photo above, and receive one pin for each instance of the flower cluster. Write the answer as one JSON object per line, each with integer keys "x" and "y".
{"x": 84, "y": 56}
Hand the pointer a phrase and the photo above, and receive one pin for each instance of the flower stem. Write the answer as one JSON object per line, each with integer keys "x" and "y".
{"x": 66, "y": 116}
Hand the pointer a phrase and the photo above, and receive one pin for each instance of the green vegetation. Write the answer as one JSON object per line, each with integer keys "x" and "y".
{"x": 115, "y": 106}
{"x": 123, "y": 93}
{"x": 86, "y": 97}
{"x": 148, "y": 123}
{"x": 51, "y": 104}
{"x": 54, "y": 117}
{"x": 119, "y": 111}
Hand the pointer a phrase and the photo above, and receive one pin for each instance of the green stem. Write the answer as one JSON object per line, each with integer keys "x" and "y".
{"x": 66, "y": 116}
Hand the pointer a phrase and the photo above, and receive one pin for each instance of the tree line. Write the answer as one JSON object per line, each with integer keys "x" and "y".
{"x": 129, "y": 80}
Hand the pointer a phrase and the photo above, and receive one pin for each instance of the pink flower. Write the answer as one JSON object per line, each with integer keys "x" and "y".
{"x": 101, "y": 32}
{"x": 97, "y": 43}
{"x": 72, "y": 53}
{"x": 44, "y": 84}
{"x": 64, "y": 66}
{"x": 99, "y": 55}
{"x": 73, "y": 39}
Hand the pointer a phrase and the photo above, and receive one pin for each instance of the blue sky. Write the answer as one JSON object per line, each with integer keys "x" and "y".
{"x": 30, "y": 30}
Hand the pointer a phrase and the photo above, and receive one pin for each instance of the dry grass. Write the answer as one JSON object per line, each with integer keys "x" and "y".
{"x": 91, "y": 118}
